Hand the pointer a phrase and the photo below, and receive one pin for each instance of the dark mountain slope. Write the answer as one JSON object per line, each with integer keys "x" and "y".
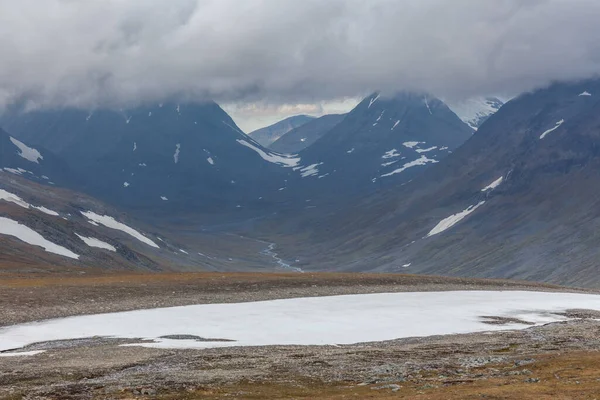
{"x": 168, "y": 157}
{"x": 382, "y": 142}
{"x": 539, "y": 222}
{"x": 35, "y": 164}
{"x": 303, "y": 136}
{"x": 269, "y": 134}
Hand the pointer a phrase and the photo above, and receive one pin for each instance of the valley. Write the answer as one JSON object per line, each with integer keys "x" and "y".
{"x": 267, "y": 199}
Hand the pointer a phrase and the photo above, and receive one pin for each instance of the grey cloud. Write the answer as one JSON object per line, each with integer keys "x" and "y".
{"x": 122, "y": 52}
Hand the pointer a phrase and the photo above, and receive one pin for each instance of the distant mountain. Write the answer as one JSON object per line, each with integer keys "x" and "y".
{"x": 32, "y": 163}
{"x": 518, "y": 200}
{"x": 382, "y": 142}
{"x": 267, "y": 135}
{"x": 163, "y": 157}
{"x": 303, "y": 136}
{"x": 475, "y": 111}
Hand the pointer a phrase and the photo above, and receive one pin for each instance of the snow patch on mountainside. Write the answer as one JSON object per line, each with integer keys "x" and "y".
{"x": 275, "y": 158}
{"x": 373, "y": 100}
{"x": 391, "y": 154}
{"x": 27, "y": 152}
{"x": 426, "y": 150}
{"x": 13, "y": 198}
{"x": 111, "y": 223}
{"x": 493, "y": 185}
{"x": 176, "y": 155}
{"x": 418, "y": 162}
{"x": 585, "y": 93}
{"x": 475, "y": 110}
{"x": 411, "y": 145}
{"x": 310, "y": 170}
{"x": 558, "y": 124}
{"x": 93, "y": 242}
{"x": 454, "y": 219}
{"x": 13, "y": 228}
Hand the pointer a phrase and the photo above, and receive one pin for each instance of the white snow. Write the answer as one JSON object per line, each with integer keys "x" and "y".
{"x": 585, "y": 93}
{"x": 444, "y": 148}
{"x": 28, "y": 235}
{"x": 373, "y": 100}
{"x": 395, "y": 124}
{"x": 13, "y": 198}
{"x": 406, "y": 265}
{"x": 329, "y": 320}
{"x": 427, "y": 104}
{"x": 410, "y": 145}
{"x": 559, "y": 123}
{"x": 350, "y": 151}
{"x": 27, "y": 152}
{"x": 93, "y": 242}
{"x": 387, "y": 164}
{"x": 142, "y": 165}
{"x": 472, "y": 110}
{"x": 210, "y": 161}
{"x": 134, "y": 146}
{"x": 303, "y": 140}
{"x": 176, "y": 155}
{"x": 426, "y": 150}
{"x": 125, "y": 184}
{"x": 127, "y": 120}
{"x": 22, "y": 353}
{"x": 452, "y": 220}
{"x": 391, "y": 154}
{"x": 46, "y": 210}
{"x": 163, "y": 198}
{"x": 111, "y": 223}
{"x": 310, "y": 170}
{"x": 18, "y": 171}
{"x": 281, "y": 159}
{"x": 150, "y": 114}
{"x": 419, "y": 161}
{"x": 493, "y": 185}
{"x": 178, "y": 109}
{"x": 183, "y": 251}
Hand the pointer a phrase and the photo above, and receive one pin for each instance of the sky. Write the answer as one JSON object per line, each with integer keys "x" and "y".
{"x": 266, "y": 59}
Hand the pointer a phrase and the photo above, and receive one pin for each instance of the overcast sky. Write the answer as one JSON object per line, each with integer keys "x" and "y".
{"x": 270, "y": 58}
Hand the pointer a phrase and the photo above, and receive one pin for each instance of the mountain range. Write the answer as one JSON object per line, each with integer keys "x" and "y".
{"x": 269, "y": 134}
{"x": 517, "y": 200}
{"x": 401, "y": 183}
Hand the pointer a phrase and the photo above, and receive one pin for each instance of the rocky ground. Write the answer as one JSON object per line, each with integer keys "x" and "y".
{"x": 556, "y": 361}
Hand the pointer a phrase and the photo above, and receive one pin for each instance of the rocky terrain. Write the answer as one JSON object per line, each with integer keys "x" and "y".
{"x": 533, "y": 363}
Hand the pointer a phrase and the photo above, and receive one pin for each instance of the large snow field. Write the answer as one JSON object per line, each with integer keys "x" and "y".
{"x": 310, "y": 321}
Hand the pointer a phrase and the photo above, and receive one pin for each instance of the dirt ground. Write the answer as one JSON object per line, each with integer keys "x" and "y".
{"x": 555, "y": 361}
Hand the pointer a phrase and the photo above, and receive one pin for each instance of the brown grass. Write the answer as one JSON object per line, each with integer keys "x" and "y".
{"x": 99, "y": 278}
{"x": 564, "y": 376}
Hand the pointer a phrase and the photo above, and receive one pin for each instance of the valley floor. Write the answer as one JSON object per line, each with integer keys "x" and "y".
{"x": 558, "y": 361}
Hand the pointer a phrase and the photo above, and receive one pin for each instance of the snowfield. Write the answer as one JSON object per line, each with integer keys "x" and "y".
{"x": 13, "y": 198}
{"x": 281, "y": 159}
{"x": 310, "y": 321}
{"x": 27, "y": 152}
{"x": 452, "y": 220}
{"x": 111, "y": 223}
{"x": 93, "y": 242}
{"x": 13, "y": 228}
